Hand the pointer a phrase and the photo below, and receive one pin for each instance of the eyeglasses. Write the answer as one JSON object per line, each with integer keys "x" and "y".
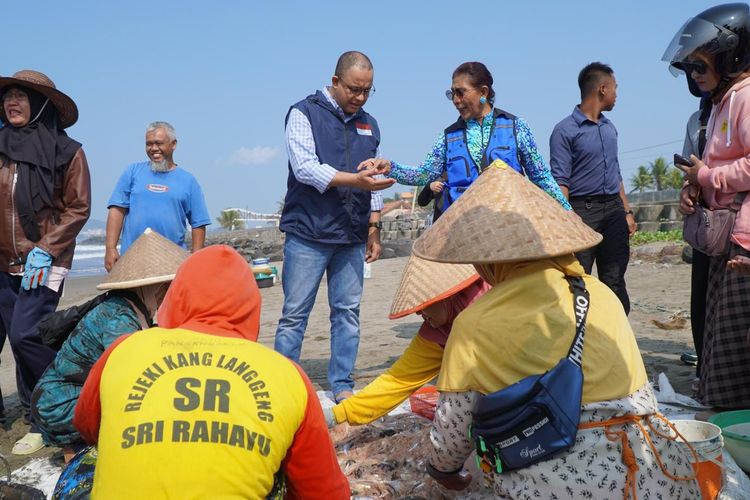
{"x": 14, "y": 94}
{"x": 357, "y": 91}
{"x": 696, "y": 65}
{"x": 450, "y": 93}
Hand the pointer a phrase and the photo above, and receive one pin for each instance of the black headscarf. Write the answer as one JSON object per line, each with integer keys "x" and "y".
{"x": 42, "y": 151}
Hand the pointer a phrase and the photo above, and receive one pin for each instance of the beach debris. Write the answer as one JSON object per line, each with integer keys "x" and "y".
{"x": 677, "y": 321}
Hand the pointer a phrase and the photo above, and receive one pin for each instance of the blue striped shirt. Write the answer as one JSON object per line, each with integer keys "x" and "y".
{"x": 300, "y": 146}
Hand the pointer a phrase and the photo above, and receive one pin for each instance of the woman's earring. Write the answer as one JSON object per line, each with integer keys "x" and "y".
{"x": 483, "y": 100}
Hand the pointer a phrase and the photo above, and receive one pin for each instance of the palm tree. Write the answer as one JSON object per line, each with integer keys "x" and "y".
{"x": 642, "y": 180}
{"x": 230, "y": 219}
{"x": 674, "y": 178}
{"x": 658, "y": 170}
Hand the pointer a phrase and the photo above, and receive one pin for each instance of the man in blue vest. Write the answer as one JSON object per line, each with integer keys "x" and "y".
{"x": 331, "y": 217}
{"x": 583, "y": 156}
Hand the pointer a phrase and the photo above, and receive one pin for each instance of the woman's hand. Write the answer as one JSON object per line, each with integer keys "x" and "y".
{"x": 688, "y": 199}
{"x": 692, "y": 172}
{"x": 436, "y": 186}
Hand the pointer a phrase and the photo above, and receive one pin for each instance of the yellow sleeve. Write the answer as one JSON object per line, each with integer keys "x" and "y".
{"x": 419, "y": 364}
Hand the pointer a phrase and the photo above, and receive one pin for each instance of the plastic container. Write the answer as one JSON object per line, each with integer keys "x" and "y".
{"x": 705, "y": 438}
{"x": 265, "y": 281}
{"x": 735, "y": 426}
{"x": 423, "y": 401}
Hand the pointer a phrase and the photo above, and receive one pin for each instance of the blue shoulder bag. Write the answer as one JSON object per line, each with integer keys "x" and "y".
{"x": 537, "y": 417}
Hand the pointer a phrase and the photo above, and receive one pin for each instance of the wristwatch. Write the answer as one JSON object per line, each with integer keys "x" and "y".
{"x": 378, "y": 225}
{"x": 629, "y": 212}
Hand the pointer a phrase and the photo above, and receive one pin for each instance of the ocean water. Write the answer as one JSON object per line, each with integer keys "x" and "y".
{"x": 88, "y": 261}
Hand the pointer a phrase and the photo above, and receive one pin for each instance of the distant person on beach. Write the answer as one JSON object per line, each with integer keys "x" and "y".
{"x": 156, "y": 194}
{"x": 331, "y": 217}
{"x": 197, "y": 408}
{"x": 135, "y": 288}
{"x": 481, "y": 135}
{"x": 46, "y": 200}
{"x": 583, "y": 155}
{"x": 714, "y": 47}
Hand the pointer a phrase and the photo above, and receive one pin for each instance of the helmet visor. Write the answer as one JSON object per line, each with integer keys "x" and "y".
{"x": 696, "y": 33}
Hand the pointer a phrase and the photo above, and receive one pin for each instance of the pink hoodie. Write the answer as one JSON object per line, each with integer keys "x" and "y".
{"x": 727, "y": 156}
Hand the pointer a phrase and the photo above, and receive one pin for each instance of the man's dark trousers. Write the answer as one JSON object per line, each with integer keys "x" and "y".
{"x": 606, "y": 215}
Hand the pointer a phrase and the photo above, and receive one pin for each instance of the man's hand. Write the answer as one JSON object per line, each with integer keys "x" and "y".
{"x": 632, "y": 226}
{"x": 373, "y": 249}
{"x": 436, "y": 186}
{"x": 111, "y": 255}
{"x": 688, "y": 199}
{"x": 364, "y": 179}
{"x": 382, "y": 165}
{"x": 692, "y": 172}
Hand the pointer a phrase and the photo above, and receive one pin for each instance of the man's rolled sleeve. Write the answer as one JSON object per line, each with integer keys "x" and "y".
{"x": 300, "y": 146}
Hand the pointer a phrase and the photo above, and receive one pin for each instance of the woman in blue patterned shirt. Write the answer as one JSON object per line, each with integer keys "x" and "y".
{"x": 481, "y": 135}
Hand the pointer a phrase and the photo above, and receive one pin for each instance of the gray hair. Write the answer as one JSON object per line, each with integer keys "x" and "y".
{"x": 168, "y": 128}
{"x": 352, "y": 59}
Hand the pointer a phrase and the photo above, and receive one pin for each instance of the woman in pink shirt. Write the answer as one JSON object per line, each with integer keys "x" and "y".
{"x": 714, "y": 48}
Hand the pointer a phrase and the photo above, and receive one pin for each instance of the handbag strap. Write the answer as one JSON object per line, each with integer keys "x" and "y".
{"x": 581, "y": 309}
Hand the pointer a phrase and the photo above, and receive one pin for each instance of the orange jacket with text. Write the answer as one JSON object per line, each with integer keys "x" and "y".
{"x": 196, "y": 408}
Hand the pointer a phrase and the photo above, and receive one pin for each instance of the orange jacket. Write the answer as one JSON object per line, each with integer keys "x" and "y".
{"x": 141, "y": 402}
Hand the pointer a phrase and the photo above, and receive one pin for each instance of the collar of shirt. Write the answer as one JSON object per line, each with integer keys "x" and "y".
{"x": 335, "y": 105}
{"x": 580, "y": 118}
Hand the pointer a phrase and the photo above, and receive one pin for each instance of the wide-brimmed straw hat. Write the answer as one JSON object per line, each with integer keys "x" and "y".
{"x": 150, "y": 259}
{"x": 66, "y": 108}
{"x": 503, "y": 217}
{"x": 425, "y": 283}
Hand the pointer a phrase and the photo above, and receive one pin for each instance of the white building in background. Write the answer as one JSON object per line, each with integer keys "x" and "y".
{"x": 255, "y": 220}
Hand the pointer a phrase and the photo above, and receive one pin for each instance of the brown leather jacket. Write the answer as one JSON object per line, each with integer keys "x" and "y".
{"x": 59, "y": 226}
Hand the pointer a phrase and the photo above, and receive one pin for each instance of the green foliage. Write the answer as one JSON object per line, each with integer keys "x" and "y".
{"x": 641, "y": 238}
{"x": 674, "y": 178}
{"x": 230, "y": 220}
{"x": 659, "y": 168}
{"x": 642, "y": 180}
{"x": 657, "y": 175}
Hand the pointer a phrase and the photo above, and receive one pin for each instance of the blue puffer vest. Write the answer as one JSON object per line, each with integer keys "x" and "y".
{"x": 339, "y": 215}
{"x": 461, "y": 168}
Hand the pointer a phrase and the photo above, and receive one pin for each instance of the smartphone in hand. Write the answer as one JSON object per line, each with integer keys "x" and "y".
{"x": 681, "y": 160}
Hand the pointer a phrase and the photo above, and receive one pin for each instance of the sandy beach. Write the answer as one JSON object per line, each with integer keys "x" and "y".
{"x": 657, "y": 291}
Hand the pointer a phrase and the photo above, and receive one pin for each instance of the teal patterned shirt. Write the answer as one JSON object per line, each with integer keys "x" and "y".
{"x": 534, "y": 166}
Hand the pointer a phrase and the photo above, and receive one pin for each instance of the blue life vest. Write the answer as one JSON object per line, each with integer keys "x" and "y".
{"x": 461, "y": 168}
{"x": 340, "y": 214}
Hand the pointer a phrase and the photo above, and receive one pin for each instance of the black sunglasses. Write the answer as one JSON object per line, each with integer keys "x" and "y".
{"x": 697, "y": 65}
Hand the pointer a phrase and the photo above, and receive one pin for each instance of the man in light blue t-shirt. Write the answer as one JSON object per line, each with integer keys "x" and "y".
{"x": 155, "y": 194}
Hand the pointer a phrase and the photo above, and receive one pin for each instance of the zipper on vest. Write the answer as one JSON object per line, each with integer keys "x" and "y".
{"x": 348, "y": 160}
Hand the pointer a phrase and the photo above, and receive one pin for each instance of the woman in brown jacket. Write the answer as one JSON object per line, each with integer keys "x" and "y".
{"x": 45, "y": 199}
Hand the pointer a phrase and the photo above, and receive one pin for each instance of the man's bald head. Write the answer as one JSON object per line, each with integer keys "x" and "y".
{"x": 352, "y": 59}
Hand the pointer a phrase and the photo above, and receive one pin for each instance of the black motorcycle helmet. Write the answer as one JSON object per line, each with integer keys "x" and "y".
{"x": 722, "y": 31}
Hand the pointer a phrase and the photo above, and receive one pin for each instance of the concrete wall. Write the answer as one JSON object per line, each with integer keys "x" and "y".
{"x": 657, "y": 210}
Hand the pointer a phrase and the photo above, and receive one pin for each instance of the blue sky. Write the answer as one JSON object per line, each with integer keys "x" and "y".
{"x": 224, "y": 73}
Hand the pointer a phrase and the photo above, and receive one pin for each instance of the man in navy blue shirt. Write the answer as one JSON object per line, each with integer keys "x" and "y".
{"x": 583, "y": 157}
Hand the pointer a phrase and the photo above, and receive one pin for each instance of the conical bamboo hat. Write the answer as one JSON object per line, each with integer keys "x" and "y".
{"x": 150, "y": 259}
{"x": 425, "y": 283}
{"x": 503, "y": 217}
